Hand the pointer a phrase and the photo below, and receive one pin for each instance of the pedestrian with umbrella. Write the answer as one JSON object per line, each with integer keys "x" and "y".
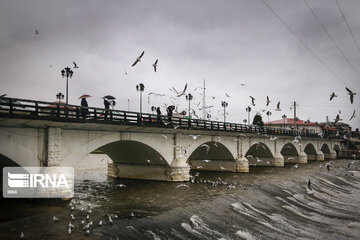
{"x": 84, "y": 105}
{"x": 170, "y": 110}
{"x": 107, "y": 104}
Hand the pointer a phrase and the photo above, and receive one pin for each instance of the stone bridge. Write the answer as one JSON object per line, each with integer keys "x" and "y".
{"x": 141, "y": 151}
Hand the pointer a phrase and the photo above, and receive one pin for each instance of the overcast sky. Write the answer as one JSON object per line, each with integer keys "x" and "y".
{"x": 224, "y": 42}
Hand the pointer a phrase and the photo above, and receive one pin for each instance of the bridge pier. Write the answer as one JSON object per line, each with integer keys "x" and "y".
{"x": 149, "y": 172}
{"x": 301, "y": 158}
{"x": 278, "y": 160}
{"x": 320, "y": 156}
{"x": 330, "y": 156}
{"x": 239, "y": 165}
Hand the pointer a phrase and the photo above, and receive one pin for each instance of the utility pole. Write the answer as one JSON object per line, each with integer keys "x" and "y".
{"x": 204, "y": 104}
{"x": 295, "y": 116}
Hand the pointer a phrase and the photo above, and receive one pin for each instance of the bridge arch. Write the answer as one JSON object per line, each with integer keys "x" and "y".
{"x": 211, "y": 150}
{"x": 325, "y": 148}
{"x": 133, "y": 152}
{"x": 147, "y": 146}
{"x": 259, "y": 154}
{"x": 310, "y": 151}
{"x": 290, "y": 153}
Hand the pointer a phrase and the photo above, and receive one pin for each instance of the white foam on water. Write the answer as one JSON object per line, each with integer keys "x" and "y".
{"x": 256, "y": 210}
{"x": 188, "y": 228}
{"x": 238, "y": 207}
{"x": 244, "y": 235}
{"x": 153, "y": 235}
{"x": 354, "y": 225}
{"x": 199, "y": 224}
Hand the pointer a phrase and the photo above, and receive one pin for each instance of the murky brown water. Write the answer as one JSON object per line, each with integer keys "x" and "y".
{"x": 268, "y": 203}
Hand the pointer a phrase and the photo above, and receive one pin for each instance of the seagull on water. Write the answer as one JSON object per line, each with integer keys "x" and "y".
{"x": 352, "y": 94}
{"x": 121, "y": 185}
{"x": 55, "y": 219}
{"x": 138, "y": 59}
{"x": 182, "y": 185}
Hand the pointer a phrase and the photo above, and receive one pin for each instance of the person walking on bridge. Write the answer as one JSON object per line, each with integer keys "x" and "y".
{"x": 158, "y": 112}
{"x": 84, "y": 108}
{"x": 107, "y": 107}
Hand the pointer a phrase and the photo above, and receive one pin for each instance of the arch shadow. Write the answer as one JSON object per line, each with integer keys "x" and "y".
{"x": 325, "y": 148}
{"x": 259, "y": 154}
{"x": 132, "y": 152}
{"x": 215, "y": 151}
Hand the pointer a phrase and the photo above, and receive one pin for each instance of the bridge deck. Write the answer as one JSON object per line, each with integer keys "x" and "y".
{"x": 14, "y": 108}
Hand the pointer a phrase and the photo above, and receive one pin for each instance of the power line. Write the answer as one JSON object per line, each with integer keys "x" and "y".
{"x": 303, "y": 43}
{"x": 331, "y": 38}
{"x": 347, "y": 24}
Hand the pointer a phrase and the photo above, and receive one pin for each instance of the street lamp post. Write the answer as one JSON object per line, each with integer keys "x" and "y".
{"x": 140, "y": 88}
{"x": 59, "y": 96}
{"x": 284, "y": 117}
{"x": 189, "y": 97}
{"x": 248, "y": 109}
{"x": 67, "y": 72}
{"x": 224, "y": 104}
{"x": 268, "y": 113}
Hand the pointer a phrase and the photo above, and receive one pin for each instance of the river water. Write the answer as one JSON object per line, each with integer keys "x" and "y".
{"x": 267, "y": 203}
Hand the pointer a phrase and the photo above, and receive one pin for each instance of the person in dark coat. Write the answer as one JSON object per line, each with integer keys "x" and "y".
{"x": 84, "y": 108}
{"x": 158, "y": 112}
{"x": 107, "y": 107}
{"x": 170, "y": 110}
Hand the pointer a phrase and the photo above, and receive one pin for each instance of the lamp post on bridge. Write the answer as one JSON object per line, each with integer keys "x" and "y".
{"x": 284, "y": 117}
{"x": 67, "y": 72}
{"x": 59, "y": 96}
{"x": 224, "y": 104}
{"x": 189, "y": 97}
{"x": 268, "y": 113}
{"x": 140, "y": 88}
{"x": 248, "y": 109}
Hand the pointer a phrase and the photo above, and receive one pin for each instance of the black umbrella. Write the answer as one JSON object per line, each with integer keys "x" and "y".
{"x": 109, "y": 97}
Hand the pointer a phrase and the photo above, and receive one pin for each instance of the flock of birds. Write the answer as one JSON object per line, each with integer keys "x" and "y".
{"x": 183, "y": 92}
{"x": 268, "y": 101}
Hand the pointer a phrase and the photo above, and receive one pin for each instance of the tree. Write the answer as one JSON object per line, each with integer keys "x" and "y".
{"x": 258, "y": 120}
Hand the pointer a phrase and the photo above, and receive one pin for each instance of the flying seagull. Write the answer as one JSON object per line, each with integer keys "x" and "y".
{"x": 332, "y": 96}
{"x": 138, "y": 59}
{"x": 155, "y": 65}
{"x": 252, "y": 100}
{"x": 337, "y": 118}
{"x": 352, "y": 116}
{"x": 227, "y": 95}
{"x": 179, "y": 94}
{"x": 36, "y": 32}
{"x": 267, "y": 101}
{"x": 75, "y": 65}
{"x": 278, "y": 107}
{"x": 351, "y": 95}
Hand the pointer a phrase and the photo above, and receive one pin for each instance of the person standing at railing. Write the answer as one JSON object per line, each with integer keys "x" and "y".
{"x": 170, "y": 110}
{"x": 158, "y": 112}
{"x": 107, "y": 107}
{"x": 84, "y": 108}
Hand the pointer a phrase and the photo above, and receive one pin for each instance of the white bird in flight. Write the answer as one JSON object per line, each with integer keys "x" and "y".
{"x": 352, "y": 116}
{"x": 138, "y": 59}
